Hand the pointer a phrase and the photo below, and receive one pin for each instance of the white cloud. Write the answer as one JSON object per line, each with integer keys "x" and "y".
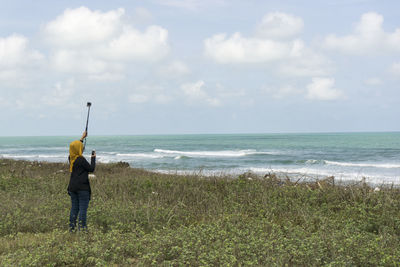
{"x": 395, "y": 69}
{"x": 194, "y": 90}
{"x": 323, "y": 89}
{"x": 14, "y": 52}
{"x": 265, "y": 46}
{"x": 368, "y": 37}
{"x": 79, "y": 61}
{"x": 279, "y": 25}
{"x": 101, "y": 44}
{"x": 237, "y": 49}
{"x": 17, "y": 60}
{"x": 305, "y": 62}
{"x": 82, "y": 26}
{"x": 195, "y": 93}
{"x": 290, "y": 56}
{"x": 133, "y": 45}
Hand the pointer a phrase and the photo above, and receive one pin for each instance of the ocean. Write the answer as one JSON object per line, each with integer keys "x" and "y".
{"x": 346, "y": 156}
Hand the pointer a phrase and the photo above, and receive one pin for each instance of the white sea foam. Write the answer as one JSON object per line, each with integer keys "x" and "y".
{"x": 222, "y": 153}
{"x": 311, "y": 173}
{"x": 9, "y": 156}
{"x": 200, "y": 172}
{"x": 25, "y": 149}
{"x": 351, "y": 164}
{"x": 33, "y": 156}
{"x": 297, "y": 171}
{"x": 139, "y": 155}
{"x": 304, "y": 173}
{"x": 105, "y": 159}
{"x": 312, "y": 161}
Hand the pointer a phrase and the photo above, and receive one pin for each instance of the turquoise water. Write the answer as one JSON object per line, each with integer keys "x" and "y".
{"x": 347, "y": 156}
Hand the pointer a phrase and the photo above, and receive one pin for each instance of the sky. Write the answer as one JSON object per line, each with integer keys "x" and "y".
{"x": 199, "y": 66}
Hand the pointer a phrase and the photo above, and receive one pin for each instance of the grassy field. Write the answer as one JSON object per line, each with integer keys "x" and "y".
{"x": 140, "y": 218}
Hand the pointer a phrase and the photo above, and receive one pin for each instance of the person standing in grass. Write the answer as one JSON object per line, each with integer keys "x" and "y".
{"x": 79, "y": 186}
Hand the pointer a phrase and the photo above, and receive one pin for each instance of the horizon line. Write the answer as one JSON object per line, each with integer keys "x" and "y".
{"x": 177, "y": 134}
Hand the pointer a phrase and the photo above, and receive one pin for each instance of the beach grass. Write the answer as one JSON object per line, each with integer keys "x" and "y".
{"x": 142, "y": 218}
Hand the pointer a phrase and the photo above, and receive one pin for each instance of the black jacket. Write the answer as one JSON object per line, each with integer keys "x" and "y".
{"x": 79, "y": 180}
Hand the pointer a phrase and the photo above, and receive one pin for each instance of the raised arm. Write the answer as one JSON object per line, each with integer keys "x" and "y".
{"x": 90, "y": 167}
{"x": 84, "y": 135}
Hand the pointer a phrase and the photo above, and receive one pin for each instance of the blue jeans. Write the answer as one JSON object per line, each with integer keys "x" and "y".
{"x": 79, "y": 205}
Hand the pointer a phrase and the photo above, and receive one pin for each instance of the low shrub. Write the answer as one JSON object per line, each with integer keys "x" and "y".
{"x": 142, "y": 218}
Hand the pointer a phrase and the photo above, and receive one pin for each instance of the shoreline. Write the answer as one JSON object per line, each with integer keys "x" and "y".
{"x": 286, "y": 177}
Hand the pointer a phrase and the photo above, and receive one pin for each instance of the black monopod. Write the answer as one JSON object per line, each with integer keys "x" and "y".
{"x": 87, "y": 122}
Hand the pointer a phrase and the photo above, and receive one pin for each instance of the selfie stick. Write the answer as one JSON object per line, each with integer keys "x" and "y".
{"x": 87, "y": 121}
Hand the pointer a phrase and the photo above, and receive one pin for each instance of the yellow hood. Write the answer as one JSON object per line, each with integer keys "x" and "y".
{"x": 75, "y": 151}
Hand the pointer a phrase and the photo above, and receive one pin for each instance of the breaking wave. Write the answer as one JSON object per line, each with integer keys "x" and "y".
{"x": 351, "y": 164}
{"x": 223, "y": 153}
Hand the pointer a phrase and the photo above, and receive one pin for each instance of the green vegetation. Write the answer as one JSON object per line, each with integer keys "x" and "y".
{"x": 142, "y": 218}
